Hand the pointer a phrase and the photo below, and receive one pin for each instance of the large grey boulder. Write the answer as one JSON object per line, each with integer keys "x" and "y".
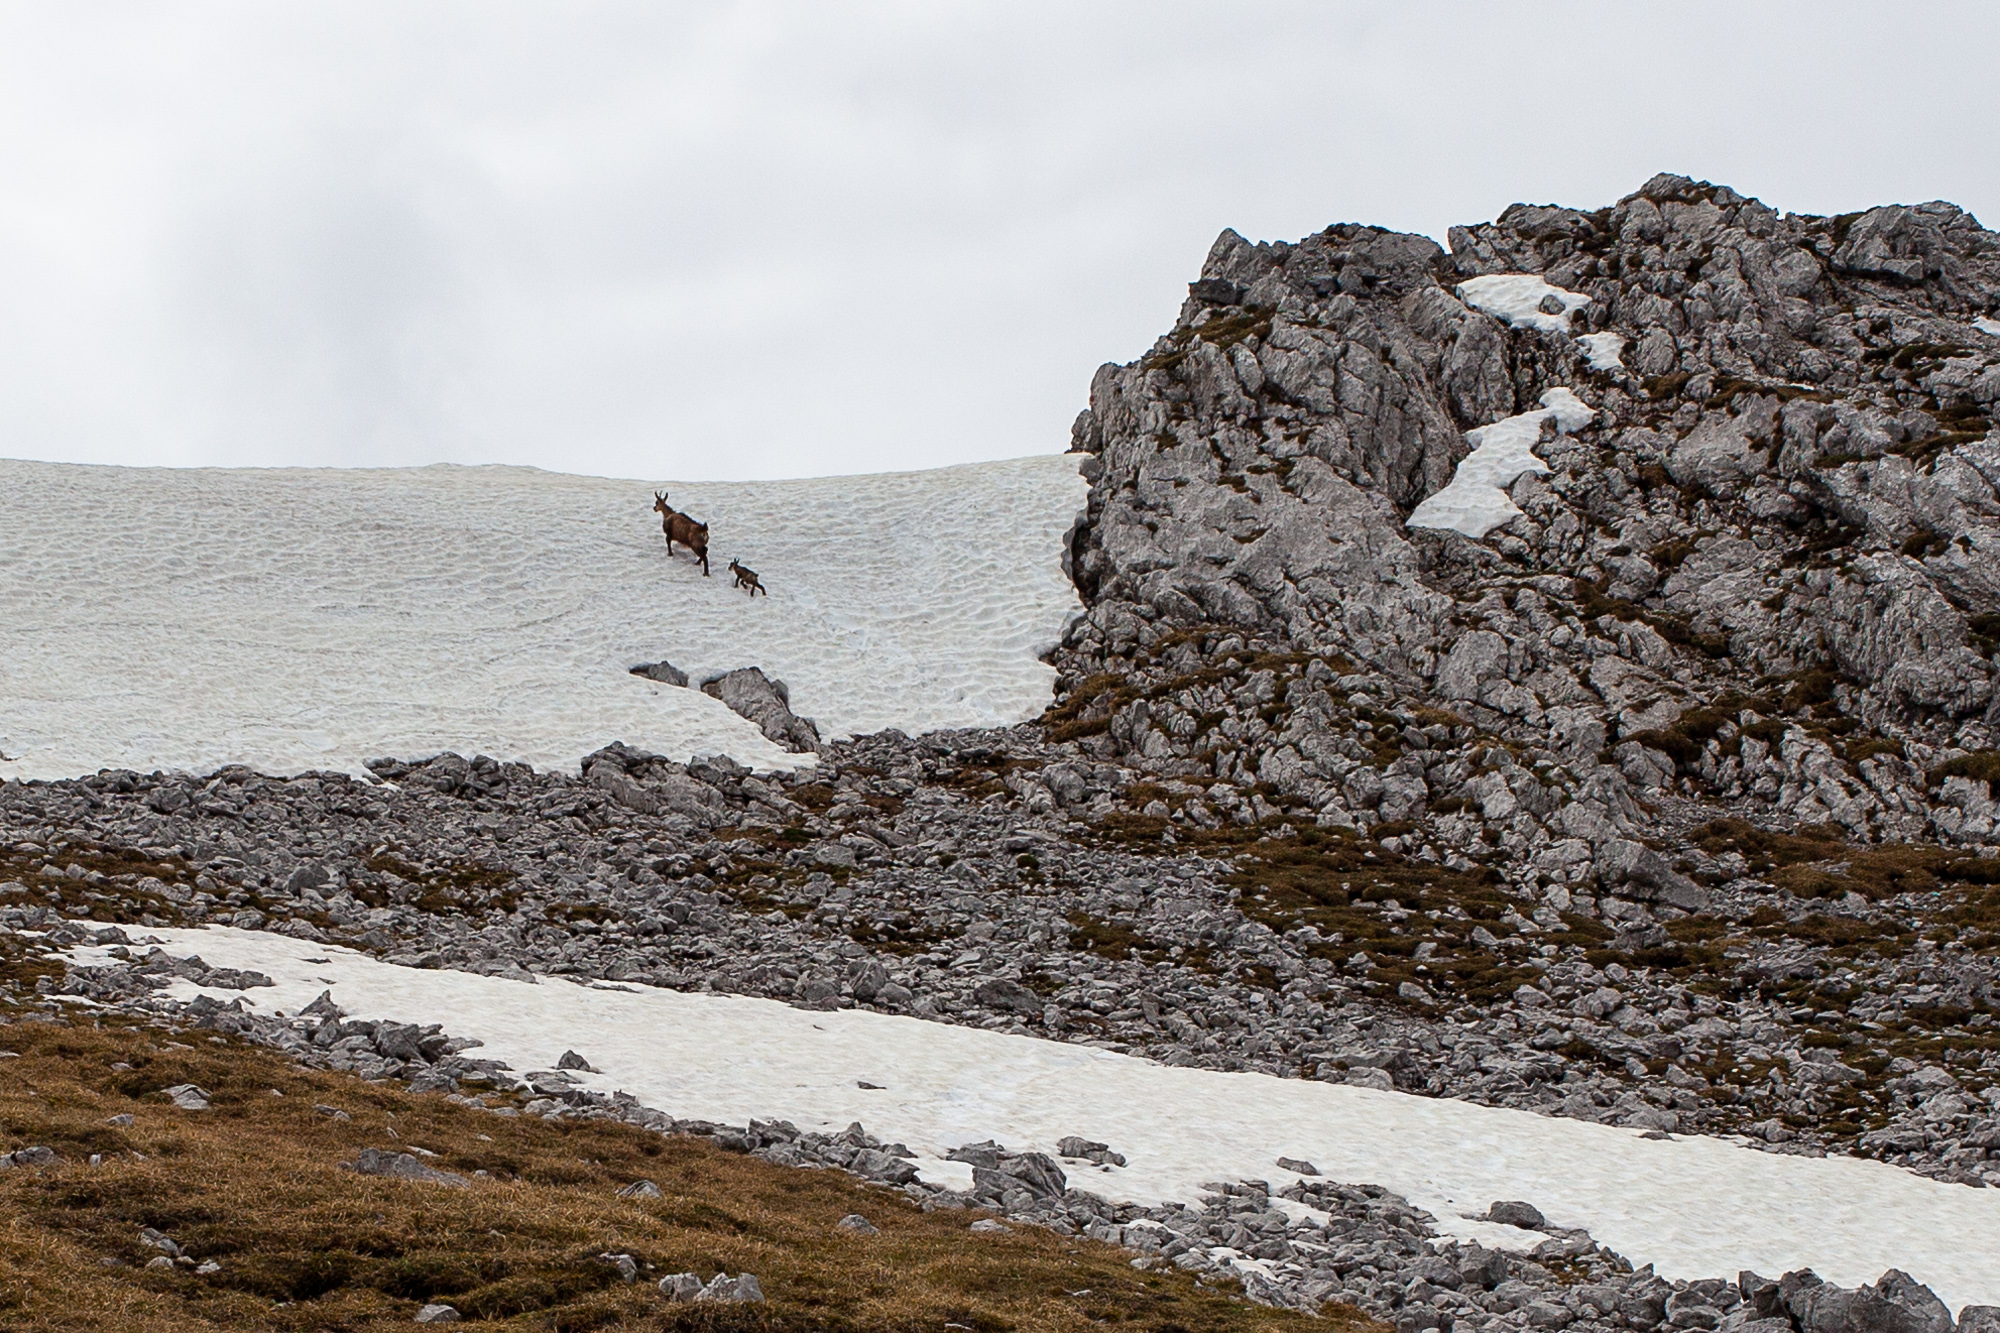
{"x": 1898, "y": 1303}
{"x": 1979, "y": 1319}
{"x": 1011, "y": 996}
{"x": 766, "y": 702}
{"x": 1633, "y": 870}
{"x": 402, "y": 1166}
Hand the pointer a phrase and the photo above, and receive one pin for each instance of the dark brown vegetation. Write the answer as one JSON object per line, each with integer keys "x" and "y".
{"x": 254, "y": 1185}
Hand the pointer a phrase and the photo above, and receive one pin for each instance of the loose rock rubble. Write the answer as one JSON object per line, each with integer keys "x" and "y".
{"x": 1668, "y": 802}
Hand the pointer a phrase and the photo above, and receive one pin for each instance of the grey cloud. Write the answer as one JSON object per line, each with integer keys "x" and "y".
{"x": 784, "y": 239}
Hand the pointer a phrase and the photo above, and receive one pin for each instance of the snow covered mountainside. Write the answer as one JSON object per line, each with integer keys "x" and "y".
{"x": 1554, "y": 675}
{"x": 301, "y": 619}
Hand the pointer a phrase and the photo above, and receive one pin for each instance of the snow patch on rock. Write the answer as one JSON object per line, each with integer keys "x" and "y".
{"x": 1518, "y": 298}
{"x": 1476, "y": 501}
{"x": 1606, "y": 351}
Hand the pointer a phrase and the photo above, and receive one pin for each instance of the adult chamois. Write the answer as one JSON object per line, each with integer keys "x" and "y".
{"x": 681, "y": 528}
{"x": 747, "y": 578}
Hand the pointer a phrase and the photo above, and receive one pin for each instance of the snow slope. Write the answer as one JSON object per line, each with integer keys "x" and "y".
{"x": 312, "y": 619}
{"x": 1695, "y": 1207}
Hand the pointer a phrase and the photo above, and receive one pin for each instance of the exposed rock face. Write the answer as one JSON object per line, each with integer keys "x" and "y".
{"x": 1767, "y": 575}
{"x": 664, "y": 672}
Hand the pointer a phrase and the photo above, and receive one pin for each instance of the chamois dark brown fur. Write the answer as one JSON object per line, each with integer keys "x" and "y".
{"x": 747, "y": 578}
{"x": 682, "y": 528}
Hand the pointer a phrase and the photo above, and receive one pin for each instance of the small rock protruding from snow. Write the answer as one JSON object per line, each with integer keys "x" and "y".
{"x": 1524, "y": 300}
{"x": 664, "y": 672}
{"x": 1514, "y": 1213}
{"x": 1980, "y": 1318}
{"x": 1088, "y": 1150}
{"x": 1297, "y": 1167}
{"x": 571, "y": 1060}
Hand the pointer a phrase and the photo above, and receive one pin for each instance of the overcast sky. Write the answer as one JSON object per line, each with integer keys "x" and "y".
{"x": 762, "y": 240}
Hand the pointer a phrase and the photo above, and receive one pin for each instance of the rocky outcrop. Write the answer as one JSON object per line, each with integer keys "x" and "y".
{"x": 1764, "y": 578}
{"x": 768, "y": 704}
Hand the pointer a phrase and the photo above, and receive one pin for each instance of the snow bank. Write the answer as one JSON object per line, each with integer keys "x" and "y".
{"x": 1985, "y": 325}
{"x": 1476, "y": 501}
{"x": 1694, "y": 1207}
{"x": 1517, "y": 298}
{"x": 1606, "y": 351}
{"x": 311, "y": 619}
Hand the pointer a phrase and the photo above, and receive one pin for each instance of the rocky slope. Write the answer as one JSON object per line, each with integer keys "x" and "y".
{"x": 1665, "y": 802}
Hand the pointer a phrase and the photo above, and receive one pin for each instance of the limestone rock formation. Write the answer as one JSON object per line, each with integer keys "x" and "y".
{"x": 1762, "y": 580}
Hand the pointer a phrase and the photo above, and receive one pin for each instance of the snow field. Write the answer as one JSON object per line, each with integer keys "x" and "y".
{"x": 1476, "y": 501}
{"x": 311, "y": 619}
{"x": 1693, "y": 1207}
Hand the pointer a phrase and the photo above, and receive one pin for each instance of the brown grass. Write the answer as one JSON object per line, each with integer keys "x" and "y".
{"x": 1336, "y": 883}
{"x": 303, "y": 1245}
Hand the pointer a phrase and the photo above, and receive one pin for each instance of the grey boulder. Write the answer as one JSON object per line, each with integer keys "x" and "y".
{"x": 187, "y": 1096}
{"x": 664, "y": 672}
{"x": 402, "y": 1166}
{"x": 757, "y": 698}
{"x": 1514, "y": 1213}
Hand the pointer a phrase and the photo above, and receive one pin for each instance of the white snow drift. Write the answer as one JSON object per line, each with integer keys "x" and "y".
{"x": 1476, "y": 501}
{"x": 1694, "y": 1207}
{"x": 1985, "y": 325}
{"x": 1605, "y": 351}
{"x": 311, "y": 619}
{"x": 1518, "y": 297}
